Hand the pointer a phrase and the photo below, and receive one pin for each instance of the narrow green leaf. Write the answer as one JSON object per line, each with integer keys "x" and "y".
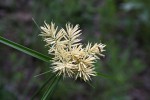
{"x": 51, "y": 88}
{"x": 36, "y": 24}
{"x": 91, "y": 85}
{"x": 102, "y": 75}
{"x": 25, "y": 49}
{"x": 55, "y": 87}
{"x": 43, "y": 86}
{"x": 105, "y": 76}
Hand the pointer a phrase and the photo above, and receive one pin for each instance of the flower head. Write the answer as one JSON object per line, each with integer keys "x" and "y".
{"x": 71, "y": 59}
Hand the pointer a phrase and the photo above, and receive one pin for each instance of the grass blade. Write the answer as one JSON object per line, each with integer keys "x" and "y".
{"x": 91, "y": 85}
{"x": 26, "y": 50}
{"x": 55, "y": 88}
{"x": 51, "y": 88}
{"x": 102, "y": 75}
{"x": 43, "y": 86}
{"x": 105, "y": 76}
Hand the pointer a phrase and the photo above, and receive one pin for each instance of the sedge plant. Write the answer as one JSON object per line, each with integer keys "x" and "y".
{"x": 70, "y": 57}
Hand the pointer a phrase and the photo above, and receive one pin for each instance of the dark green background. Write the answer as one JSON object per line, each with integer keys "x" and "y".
{"x": 123, "y": 25}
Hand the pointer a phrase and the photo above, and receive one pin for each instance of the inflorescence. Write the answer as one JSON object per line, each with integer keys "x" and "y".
{"x": 71, "y": 59}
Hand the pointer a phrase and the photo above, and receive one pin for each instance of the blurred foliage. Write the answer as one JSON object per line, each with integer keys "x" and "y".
{"x": 123, "y": 25}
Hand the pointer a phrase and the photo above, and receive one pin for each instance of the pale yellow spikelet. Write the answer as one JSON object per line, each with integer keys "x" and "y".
{"x": 63, "y": 68}
{"x": 77, "y": 52}
{"x": 71, "y": 59}
{"x": 85, "y": 72}
{"x": 72, "y": 33}
{"x": 48, "y": 30}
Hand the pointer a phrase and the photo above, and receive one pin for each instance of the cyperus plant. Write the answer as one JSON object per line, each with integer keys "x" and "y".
{"x": 71, "y": 59}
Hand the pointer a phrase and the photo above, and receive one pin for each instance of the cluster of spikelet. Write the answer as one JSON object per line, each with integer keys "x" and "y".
{"x": 71, "y": 59}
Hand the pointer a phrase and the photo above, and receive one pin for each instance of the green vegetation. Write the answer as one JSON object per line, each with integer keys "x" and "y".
{"x": 123, "y": 25}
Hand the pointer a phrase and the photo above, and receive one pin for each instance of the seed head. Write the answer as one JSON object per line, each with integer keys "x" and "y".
{"x": 71, "y": 59}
